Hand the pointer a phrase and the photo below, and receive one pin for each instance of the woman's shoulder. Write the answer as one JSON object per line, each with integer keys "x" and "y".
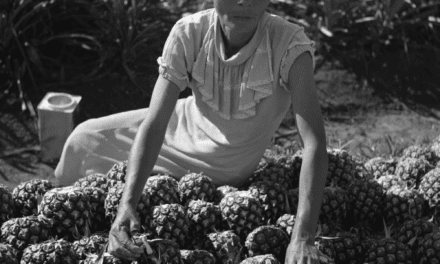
{"x": 196, "y": 22}
{"x": 280, "y": 28}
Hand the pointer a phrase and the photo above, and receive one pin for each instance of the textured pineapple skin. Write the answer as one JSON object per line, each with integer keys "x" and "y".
{"x": 225, "y": 246}
{"x": 87, "y": 245}
{"x": 26, "y": 194}
{"x": 163, "y": 189}
{"x": 24, "y": 231}
{"x": 7, "y": 204}
{"x": 8, "y": 255}
{"x": 54, "y": 252}
{"x": 196, "y": 186}
{"x": 261, "y": 259}
{"x": 388, "y": 251}
{"x": 98, "y": 180}
{"x": 428, "y": 250}
{"x": 197, "y": 257}
{"x": 272, "y": 197}
{"x": 267, "y": 240}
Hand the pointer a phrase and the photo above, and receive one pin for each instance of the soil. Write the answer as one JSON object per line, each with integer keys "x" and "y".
{"x": 355, "y": 119}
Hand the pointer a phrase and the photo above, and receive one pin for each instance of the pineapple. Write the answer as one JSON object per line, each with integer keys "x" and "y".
{"x": 402, "y": 204}
{"x": 94, "y": 180}
{"x": 112, "y": 202}
{"x": 292, "y": 200}
{"x": 105, "y": 259}
{"x": 27, "y": 194}
{"x": 420, "y": 151}
{"x": 170, "y": 221}
{"x": 428, "y": 250}
{"x": 163, "y": 189}
{"x": 197, "y": 257}
{"x": 221, "y": 191}
{"x": 272, "y": 197}
{"x": 98, "y": 220}
{"x": 366, "y": 200}
{"x": 389, "y": 181}
{"x": 388, "y": 251}
{"x": 203, "y": 217}
{"x": 379, "y": 166}
{"x": 196, "y": 186}
{"x": 277, "y": 170}
{"x": 68, "y": 210}
{"x": 412, "y": 231}
{"x": 226, "y": 247}
{"x": 286, "y": 222}
{"x": 54, "y": 252}
{"x": 345, "y": 246}
{"x": 242, "y": 211}
{"x": 24, "y": 231}
{"x": 411, "y": 170}
{"x": 6, "y": 204}
{"x": 8, "y": 254}
{"x": 88, "y": 245}
{"x": 267, "y": 239}
{"x": 430, "y": 187}
{"x": 341, "y": 167}
{"x": 116, "y": 175}
{"x": 261, "y": 259}
{"x": 334, "y": 205}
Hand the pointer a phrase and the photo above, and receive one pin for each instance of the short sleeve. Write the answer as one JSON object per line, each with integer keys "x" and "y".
{"x": 174, "y": 62}
{"x": 300, "y": 43}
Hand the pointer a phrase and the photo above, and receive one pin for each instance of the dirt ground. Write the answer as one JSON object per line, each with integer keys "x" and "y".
{"x": 355, "y": 119}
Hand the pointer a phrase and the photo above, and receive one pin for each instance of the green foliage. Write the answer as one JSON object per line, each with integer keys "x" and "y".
{"x": 75, "y": 41}
{"x": 394, "y": 45}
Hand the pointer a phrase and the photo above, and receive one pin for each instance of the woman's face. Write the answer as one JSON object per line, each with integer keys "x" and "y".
{"x": 240, "y": 15}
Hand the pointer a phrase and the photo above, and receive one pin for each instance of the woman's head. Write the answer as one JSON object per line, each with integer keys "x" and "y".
{"x": 240, "y": 15}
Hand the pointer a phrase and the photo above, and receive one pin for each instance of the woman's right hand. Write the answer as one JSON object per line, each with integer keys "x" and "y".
{"x": 124, "y": 226}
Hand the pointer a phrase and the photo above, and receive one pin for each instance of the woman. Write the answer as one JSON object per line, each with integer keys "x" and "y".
{"x": 245, "y": 68}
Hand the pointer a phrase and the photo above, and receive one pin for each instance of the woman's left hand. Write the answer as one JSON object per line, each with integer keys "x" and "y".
{"x": 302, "y": 252}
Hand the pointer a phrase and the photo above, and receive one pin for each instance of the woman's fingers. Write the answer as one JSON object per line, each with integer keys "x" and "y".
{"x": 121, "y": 245}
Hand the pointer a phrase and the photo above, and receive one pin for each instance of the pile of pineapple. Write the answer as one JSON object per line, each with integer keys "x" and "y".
{"x": 378, "y": 211}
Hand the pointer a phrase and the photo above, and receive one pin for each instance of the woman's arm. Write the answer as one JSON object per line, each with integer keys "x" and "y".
{"x": 149, "y": 139}
{"x": 143, "y": 156}
{"x": 309, "y": 121}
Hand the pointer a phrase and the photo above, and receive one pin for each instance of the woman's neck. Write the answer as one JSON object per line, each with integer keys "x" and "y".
{"x": 234, "y": 40}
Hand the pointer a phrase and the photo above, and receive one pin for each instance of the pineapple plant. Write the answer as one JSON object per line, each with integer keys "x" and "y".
{"x": 197, "y": 256}
{"x": 98, "y": 180}
{"x": 242, "y": 211}
{"x": 429, "y": 249}
{"x": 272, "y": 197}
{"x": 24, "y": 231}
{"x": 98, "y": 220}
{"x": 8, "y": 254}
{"x": 267, "y": 239}
{"x": 221, "y": 191}
{"x": 196, "y": 186}
{"x": 27, "y": 195}
{"x": 435, "y": 147}
{"x": 116, "y": 175}
{"x": 68, "y": 209}
{"x": 420, "y": 151}
{"x": 89, "y": 245}
{"x": 286, "y": 222}
{"x": 170, "y": 221}
{"x": 163, "y": 189}
{"x": 52, "y": 251}
{"x": 388, "y": 251}
{"x": 365, "y": 200}
{"x": 380, "y": 167}
{"x": 112, "y": 202}
{"x": 203, "y": 218}
{"x": 292, "y": 200}
{"x": 411, "y": 170}
{"x": 261, "y": 259}
{"x": 402, "y": 204}
{"x": 6, "y": 204}
{"x": 164, "y": 251}
{"x": 226, "y": 246}
{"x": 341, "y": 167}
